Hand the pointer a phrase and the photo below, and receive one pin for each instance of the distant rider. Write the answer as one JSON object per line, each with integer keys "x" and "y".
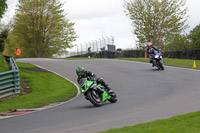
{"x": 150, "y": 51}
{"x": 82, "y": 73}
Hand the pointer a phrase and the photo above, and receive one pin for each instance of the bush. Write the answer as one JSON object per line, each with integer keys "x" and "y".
{"x": 4, "y": 66}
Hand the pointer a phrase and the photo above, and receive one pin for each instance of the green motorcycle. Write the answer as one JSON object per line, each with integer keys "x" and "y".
{"x": 96, "y": 93}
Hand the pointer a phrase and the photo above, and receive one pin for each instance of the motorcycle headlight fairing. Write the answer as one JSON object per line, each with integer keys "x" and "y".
{"x": 88, "y": 85}
{"x": 156, "y": 56}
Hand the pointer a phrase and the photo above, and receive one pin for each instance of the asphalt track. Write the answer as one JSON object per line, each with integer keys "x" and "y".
{"x": 144, "y": 94}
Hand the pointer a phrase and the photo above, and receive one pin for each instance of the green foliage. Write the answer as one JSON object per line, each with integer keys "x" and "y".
{"x": 3, "y": 6}
{"x": 155, "y": 21}
{"x": 1, "y": 46}
{"x": 3, "y": 37}
{"x": 184, "y": 42}
{"x": 195, "y": 37}
{"x": 26, "y": 65}
{"x": 178, "y": 42}
{"x": 4, "y": 66}
{"x": 41, "y": 29}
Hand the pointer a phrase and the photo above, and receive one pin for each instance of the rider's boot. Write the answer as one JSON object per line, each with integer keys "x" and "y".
{"x": 106, "y": 86}
{"x": 151, "y": 61}
{"x": 108, "y": 89}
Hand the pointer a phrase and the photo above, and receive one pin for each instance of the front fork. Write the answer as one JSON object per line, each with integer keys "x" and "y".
{"x": 162, "y": 61}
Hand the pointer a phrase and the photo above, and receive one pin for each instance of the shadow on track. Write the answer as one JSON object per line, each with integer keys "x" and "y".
{"x": 89, "y": 106}
{"x": 153, "y": 69}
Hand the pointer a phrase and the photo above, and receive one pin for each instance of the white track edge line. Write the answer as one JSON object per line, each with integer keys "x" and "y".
{"x": 77, "y": 87}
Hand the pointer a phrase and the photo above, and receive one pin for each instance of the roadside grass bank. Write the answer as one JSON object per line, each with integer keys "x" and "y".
{"x": 187, "y": 123}
{"x": 4, "y": 66}
{"x": 45, "y": 88}
{"x": 184, "y": 63}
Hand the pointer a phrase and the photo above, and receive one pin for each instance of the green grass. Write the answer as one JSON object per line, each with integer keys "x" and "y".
{"x": 187, "y": 123}
{"x": 4, "y": 66}
{"x": 26, "y": 65}
{"x": 46, "y": 88}
{"x": 184, "y": 63}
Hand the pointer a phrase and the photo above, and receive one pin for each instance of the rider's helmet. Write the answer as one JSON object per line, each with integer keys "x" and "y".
{"x": 80, "y": 71}
{"x": 149, "y": 44}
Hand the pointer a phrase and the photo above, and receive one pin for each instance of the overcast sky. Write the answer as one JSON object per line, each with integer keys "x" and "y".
{"x": 96, "y": 18}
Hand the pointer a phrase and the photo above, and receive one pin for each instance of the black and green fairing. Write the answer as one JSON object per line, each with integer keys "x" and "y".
{"x": 86, "y": 85}
{"x": 105, "y": 94}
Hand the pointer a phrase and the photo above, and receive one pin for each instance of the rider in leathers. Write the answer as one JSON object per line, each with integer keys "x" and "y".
{"x": 82, "y": 73}
{"x": 150, "y": 51}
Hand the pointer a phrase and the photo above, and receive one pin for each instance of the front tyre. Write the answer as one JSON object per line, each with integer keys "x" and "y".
{"x": 161, "y": 65}
{"x": 94, "y": 98}
{"x": 113, "y": 98}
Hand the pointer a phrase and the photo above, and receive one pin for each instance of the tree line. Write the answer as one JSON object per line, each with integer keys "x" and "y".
{"x": 162, "y": 22}
{"x": 40, "y": 28}
{"x": 3, "y": 36}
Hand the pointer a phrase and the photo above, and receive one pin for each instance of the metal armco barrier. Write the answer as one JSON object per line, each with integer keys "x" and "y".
{"x": 10, "y": 81}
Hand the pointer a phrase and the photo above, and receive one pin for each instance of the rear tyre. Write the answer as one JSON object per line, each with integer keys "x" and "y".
{"x": 94, "y": 98}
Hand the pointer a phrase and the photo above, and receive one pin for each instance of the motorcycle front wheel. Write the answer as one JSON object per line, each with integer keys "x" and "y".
{"x": 113, "y": 98}
{"x": 161, "y": 65}
{"x": 94, "y": 98}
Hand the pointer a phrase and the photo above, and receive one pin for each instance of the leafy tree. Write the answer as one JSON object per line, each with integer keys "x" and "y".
{"x": 156, "y": 20}
{"x": 3, "y": 37}
{"x": 178, "y": 42}
{"x": 3, "y": 6}
{"x": 4, "y": 33}
{"x": 195, "y": 37}
{"x": 41, "y": 29}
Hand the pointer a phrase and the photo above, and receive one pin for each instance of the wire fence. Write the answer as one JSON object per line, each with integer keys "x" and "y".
{"x": 97, "y": 45}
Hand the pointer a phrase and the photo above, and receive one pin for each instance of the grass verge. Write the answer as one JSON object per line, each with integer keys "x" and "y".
{"x": 170, "y": 62}
{"x": 4, "y": 66}
{"x": 46, "y": 88}
{"x": 187, "y": 123}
